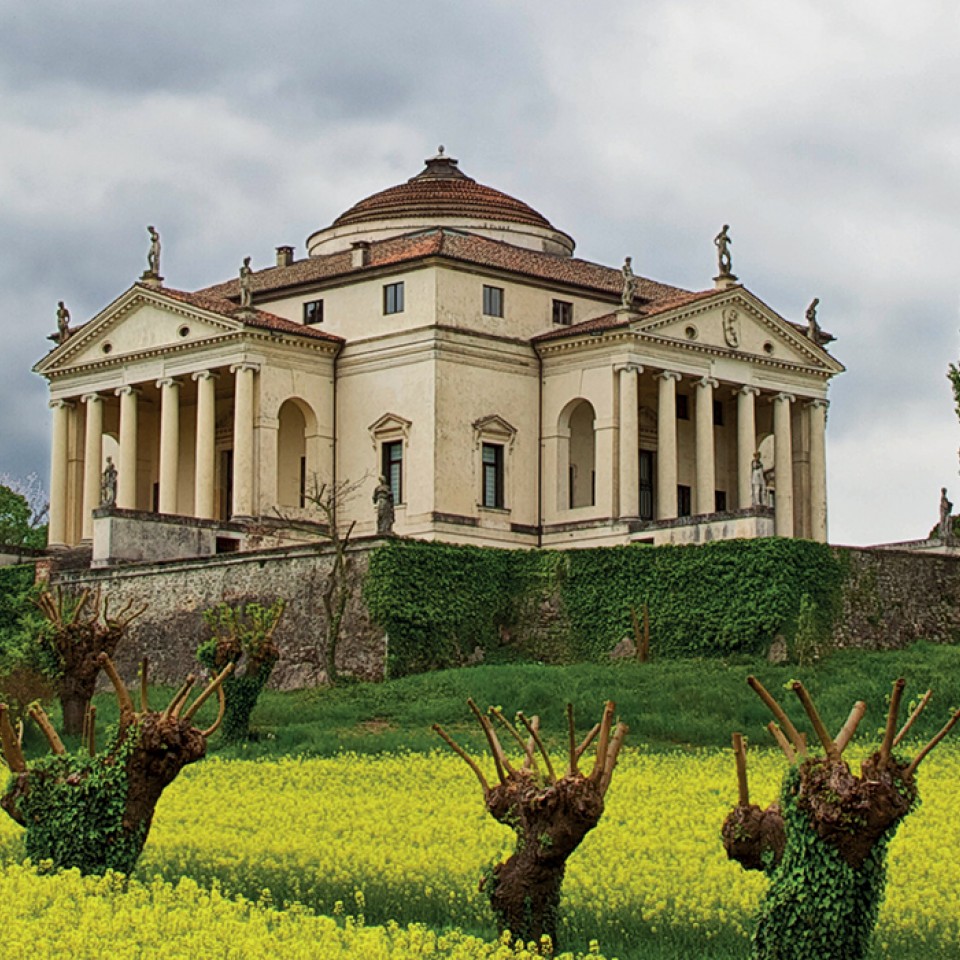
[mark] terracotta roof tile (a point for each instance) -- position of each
(454, 245)
(253, 318)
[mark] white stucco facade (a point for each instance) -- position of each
(501, 384)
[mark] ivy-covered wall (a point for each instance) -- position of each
(438, 603)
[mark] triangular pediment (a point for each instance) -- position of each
(738, 324)
(138, 323)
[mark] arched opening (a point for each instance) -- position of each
(577, 455)
(297, 423)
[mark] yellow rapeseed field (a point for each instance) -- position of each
(407, 834)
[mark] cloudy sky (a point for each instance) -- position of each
(826, 132)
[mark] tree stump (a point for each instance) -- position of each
(550, 815)
(827, 857)
(93, 811)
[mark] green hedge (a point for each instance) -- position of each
(438, 602)
(16, 586)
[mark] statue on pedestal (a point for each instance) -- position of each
(945, 527)
(108, 485)
(758, 483)
(383, 499)
(630, 284)
(153, 254)
(63, 323)
(722, 242)
(246, 291)
(813, 325)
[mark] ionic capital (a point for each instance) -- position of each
(785, 398)
(204, 375)
(244, 367)
(708, 382)
(668, 375)
(168, 382)
(628, 367)
(62, 404)
(819, 404)
(749, 391)
(89, 398)
(127, 390)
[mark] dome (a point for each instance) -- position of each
(441, 195)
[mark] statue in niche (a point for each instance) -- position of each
(63, 323)
(630, 284)
(758, 482)
(153, 254)
(731, 327)
(813, 325)
(108, 485)
(945, 527)
(722, 242)
(246, 290)
(383, 500)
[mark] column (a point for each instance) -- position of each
(706, 487)
(92, 459)
(783, 465)
(243, 440)
(205, 494)
(169, 443)
(127, 467)
(818, 469)
(746, 443)
(629, 439)
(57, 526)
(667, 445)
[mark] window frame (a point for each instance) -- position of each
(318, 308)
(563, 308)
(493, 301)
(388, 462)
(492, 475)
(393, 298)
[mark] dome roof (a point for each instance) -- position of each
(441, 195)
(442, 189)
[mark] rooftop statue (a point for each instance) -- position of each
(722, 242)
(153, 254)
(813, 326)
(630, 284)
(63, 323)
(246, 292)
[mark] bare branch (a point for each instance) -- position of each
(740, 755)
(829, 747)
(603, 743)
(924, 700)
(850, 727)
(535, 735)
(215, 684)
(587, 740)
(892, 716)
(12, 753)
(127, 712)
(463, 756)
(613, 752)
(499, 759)
(43, 722)
(515, 733)
(531, 762)
(948, 726)
(221, 709)
(778, 712)
(789, 752)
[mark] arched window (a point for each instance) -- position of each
(577, 455)
(292, 468)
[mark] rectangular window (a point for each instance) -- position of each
(492, 455)
(562, 312)
(720, 500)
(683, 406)
(393, 298)
(313, 312)
(718, 413)
(646, 484)
(684, 501)
(391, 467)
(492, 301)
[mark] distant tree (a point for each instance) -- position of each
(23, 511)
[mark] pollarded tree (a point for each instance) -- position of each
(826, 887)
(243, 636)
(93, 811)
(550, 814)
(77, 631)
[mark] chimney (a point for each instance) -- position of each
(360, 253)
(284, 256)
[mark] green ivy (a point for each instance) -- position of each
(438, 602)
(241, 635)
(817, 904)
(74, 809)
